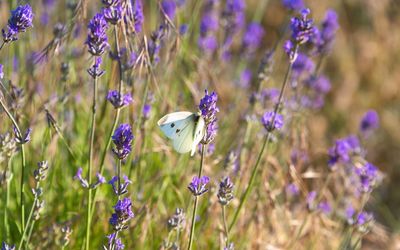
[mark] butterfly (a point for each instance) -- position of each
(184, 129)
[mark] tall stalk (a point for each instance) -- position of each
(92, 132)
(23, 162)
(196, 200)
(265, 144)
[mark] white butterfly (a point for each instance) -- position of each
(185, 129)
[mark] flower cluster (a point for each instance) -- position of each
(85, 183)
(271, 121)
(293, 5)
(122, 214)
(155, 44)
(20, 20)
(22, 139)
(209, 109)
(325, 37)
(168, 8)
(114, 242)
(122, 139)
(198, 186)
(5, 246)
(225, 192)
(177, 221)
(253, 37)
(369, 122)
(123, 187)
(208, 26)
(97, 40)
(1, 71)
(362, 220)
(95, 70)
(117, 100)
(303, 30)
(367, 177)
(343, 150)
(113, 13)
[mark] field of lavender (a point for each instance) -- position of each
(289, 140)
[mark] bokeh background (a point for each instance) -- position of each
(364, 69)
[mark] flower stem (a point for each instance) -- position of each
(92, 131)
(119, 178)
(266, 141)
(225, 226)
(22, 184)
(196, 200)
(2, 45)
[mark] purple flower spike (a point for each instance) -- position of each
(1, 71)
(253, 37)
(302, 27)
(146, 111)
(198, 185)
(326, 36)
(5, 246)
(116, 241)
(95, 70)
(209, 109)
(122, 139)
(122, 214)
(225, 192)
(113, 14)
(97, 40)
(20, 20)
(369, 122)
(123, 188)
(78, 176)
(293, 5)
(271, 121)
(311, 200)
(292, 189)
(115, 99)
(368, 177)
(22, 139)
(168, 7)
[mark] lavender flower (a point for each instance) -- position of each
(325, 207)
(349, 213)
(209, 109)
(22, 139)
(123, 188)
(369, 122)
(117, 101)
(292, 189)
(326, 36)
(5, 246)
(311, 200)
(100, 180)
(113, 14)
(302, 65)
(225, 192)
(271, 121)
(208, 26)
(168, 8)
(97, 40)
(95, 70)
(78, 176)
(290, 50)
(122, 139)
(138, 16)
(122, 214)
(177, 221)
(198, 185)
(368, 177)
(302, 27)
(1, 71)
(343, 150)
(155, 44)
(115, 241)
(245, 78)
(146, 111)
(253, 37)
(293, 5)
(20, 20)
(41, 172)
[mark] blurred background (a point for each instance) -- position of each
(363, 67)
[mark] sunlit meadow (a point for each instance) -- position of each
(290, 138)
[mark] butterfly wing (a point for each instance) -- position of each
(198, 133)
(173, 123)
(184, 140)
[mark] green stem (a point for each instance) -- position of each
(225, 226)
(7, 202)
(2, 45)
(29, 219)
(29, 234)
(92, 133)
(22, 184)
(266, 141)
(196, 200)
(119, 178)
